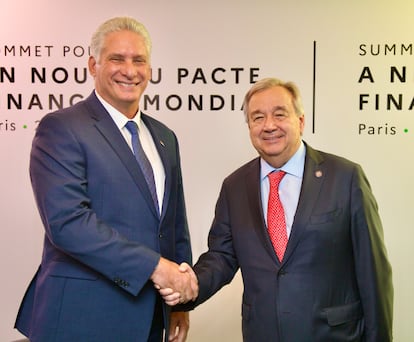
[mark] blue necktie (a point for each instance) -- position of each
(142, 160)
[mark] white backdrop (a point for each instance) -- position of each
(343, 55)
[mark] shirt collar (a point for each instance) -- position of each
(294, 166)
(119, 118)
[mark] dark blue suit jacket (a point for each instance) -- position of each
(103, 236)
(334, 283)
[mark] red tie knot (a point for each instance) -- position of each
(275, 177)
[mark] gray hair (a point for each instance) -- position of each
(267, 83)
(114, 25)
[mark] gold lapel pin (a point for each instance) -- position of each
(318, 174)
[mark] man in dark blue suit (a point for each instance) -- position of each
(109, 244)
(332, 281)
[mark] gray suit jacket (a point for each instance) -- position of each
(334, 283)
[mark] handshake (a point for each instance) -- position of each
(177, 284)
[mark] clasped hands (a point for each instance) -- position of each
(175, 283)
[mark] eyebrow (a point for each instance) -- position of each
(120, 55)
(257, 111)
(276, 108)
(117, 55)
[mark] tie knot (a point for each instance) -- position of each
(275, 177)
(132, 127)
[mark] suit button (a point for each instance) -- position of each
(282, 273)
(160, 235)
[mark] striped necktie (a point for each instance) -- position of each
(142, 160)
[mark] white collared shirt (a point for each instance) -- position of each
(147, 143)
(289, 187)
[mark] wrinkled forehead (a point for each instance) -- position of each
(273, 98)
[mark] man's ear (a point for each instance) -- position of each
(92, 65)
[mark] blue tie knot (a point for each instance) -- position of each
(132, 127)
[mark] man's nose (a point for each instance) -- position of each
(270, 123)
(128, 69)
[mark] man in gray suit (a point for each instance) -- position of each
(332, 281)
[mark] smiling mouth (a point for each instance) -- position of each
(128, 85)
(272, 138)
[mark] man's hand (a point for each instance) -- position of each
(179, 326)
(176, 284)
(172, 297)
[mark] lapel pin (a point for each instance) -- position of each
(318, 174)
(162, 143)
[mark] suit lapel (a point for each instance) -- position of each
(313, 177)
(106, 126)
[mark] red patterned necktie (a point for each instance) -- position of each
(276, 223)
